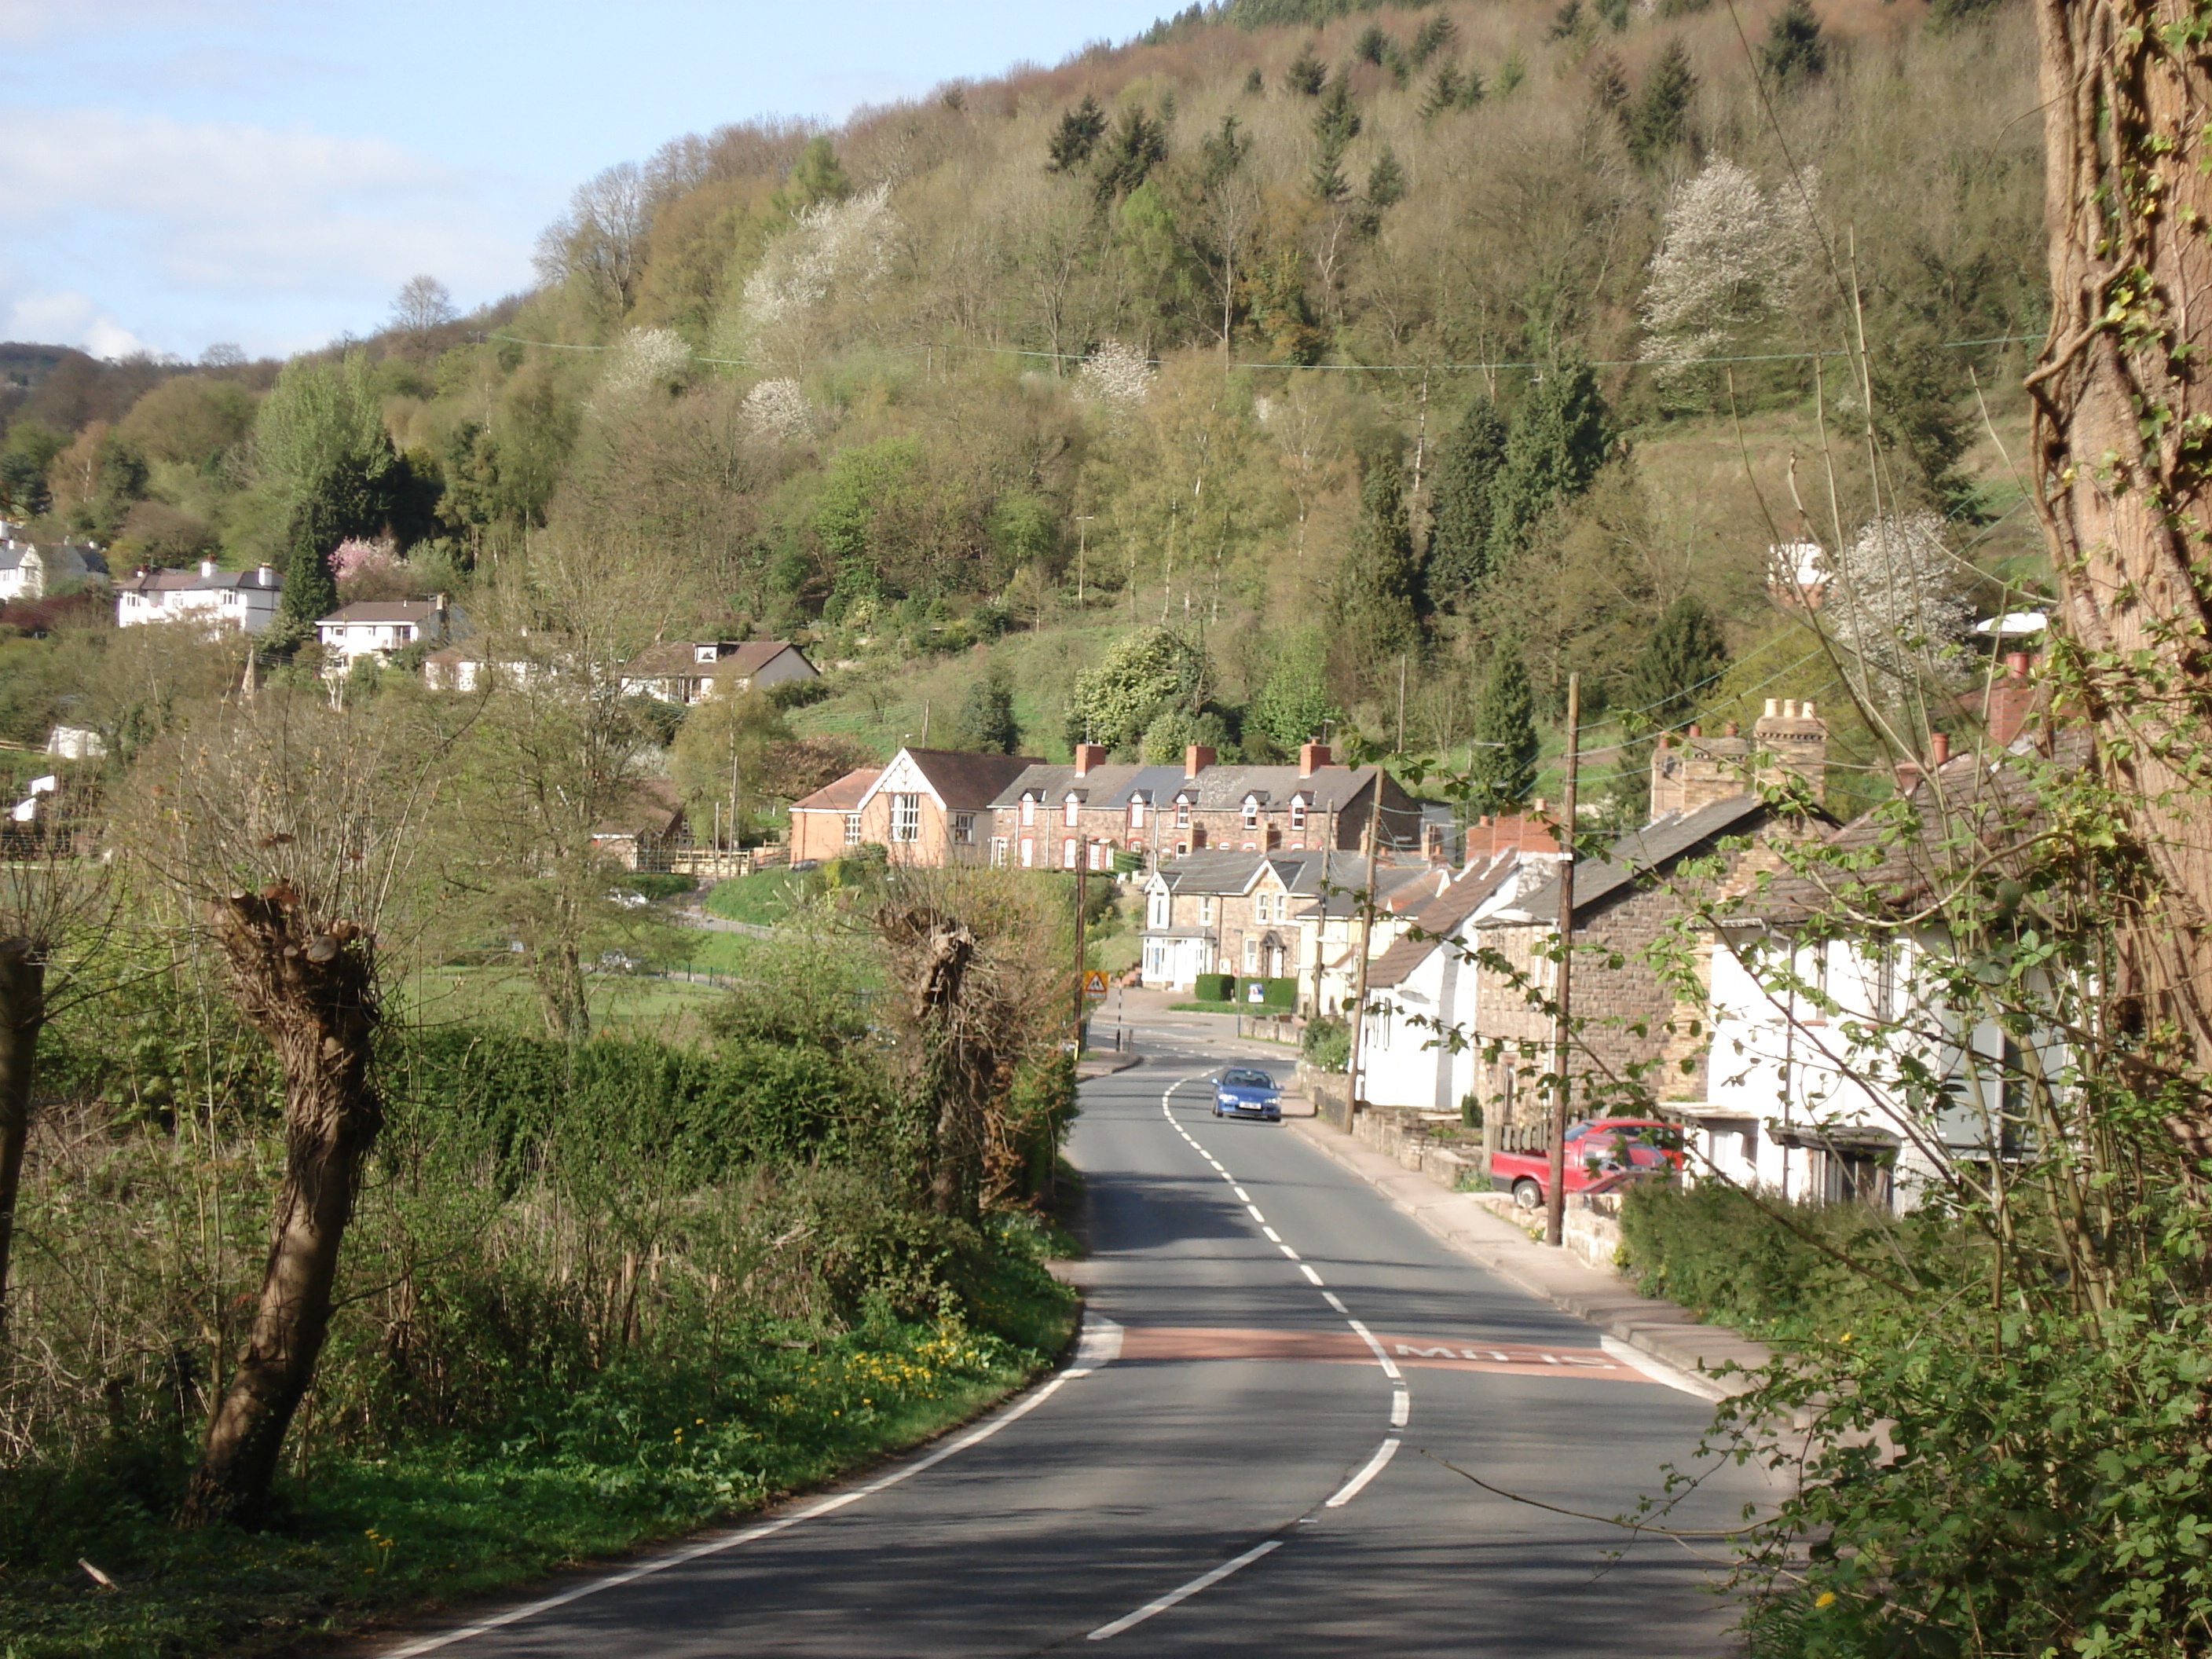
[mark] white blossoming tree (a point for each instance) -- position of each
(836, 253)
(645, 360)
(1895, 600)
(779, 408)
(1115, 380)
(1732, 256)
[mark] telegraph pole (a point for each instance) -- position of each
(1082, 863)
(1555, 1194)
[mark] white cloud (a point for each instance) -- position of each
(66, 318)
(227, 208)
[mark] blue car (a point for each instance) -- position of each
(1244, 1091)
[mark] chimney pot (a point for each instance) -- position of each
(1807, 707)
(1729, 730)
(1938, 747)
(207, 568)
(2016, 666)
(1774, 707)
(1696, 731)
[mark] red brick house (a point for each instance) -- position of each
(933, 806)
(826, 825)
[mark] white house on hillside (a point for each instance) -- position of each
(377, 628)
(216, 599)
(686, 671)
(30, 572)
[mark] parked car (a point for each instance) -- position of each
(629, 898)
(1597, 1153)
(1247, 1091)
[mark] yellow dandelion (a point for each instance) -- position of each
(1824, 1598)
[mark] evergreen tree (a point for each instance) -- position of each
(1467, 473)
(1373, 46)
(1608, 83)
(1379, 597)
(1293, 707)
(1795, 51)
(1560, 439)
(1254, 82)
(1676, 669)
(1336, 124)
(1446, 88)
(1566, 22)
(816, 176)
(986, 724)
(1136, 146)
(1470, 90)
(1077, 136)
(1306, 74)
(1439, 35)
(1503, 768)
(1386, 181)
(1661, 120)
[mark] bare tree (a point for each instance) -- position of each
(602, 237)
(422, 303)
(57, 906)
(290, 827)
(2121, 410)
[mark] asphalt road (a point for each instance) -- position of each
(1239, 1466)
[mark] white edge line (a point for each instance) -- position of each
(1375, 1465)
(1204, 1581)
(712, 1547)
(1401, 1407)
(1659, 1370)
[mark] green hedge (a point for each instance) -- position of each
(1215, 987)
(1278, 993)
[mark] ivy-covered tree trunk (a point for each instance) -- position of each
(22, 1016)
(2123, 435)
(313, 995)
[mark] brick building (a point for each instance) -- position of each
(1049, 816)
(826, 825)
(933, 806)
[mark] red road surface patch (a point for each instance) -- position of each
(1344, 1347)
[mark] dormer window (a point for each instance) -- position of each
(1029, 810)
(1251, 813)
(702, 653)
(1136, 815)
(1182, 812)
(1297, 811)
(1070, 808)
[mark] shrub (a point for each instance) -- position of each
(1278, 993)
(1215, 987)
(1327, 1044)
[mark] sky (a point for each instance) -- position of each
(176, 175)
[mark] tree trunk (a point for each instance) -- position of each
(312, 994)
(2122, 435)
(22, 1014)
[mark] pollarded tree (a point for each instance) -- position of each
(1678, 665)
(1501, 769)
(1467, 472)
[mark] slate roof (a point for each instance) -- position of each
(1330, 789)
(1992, 798)
(652, 808)
(1435, 921)
(841, 796)
(965, 782)
(1658, 843)
(186, 581)
(1396, 885)
(1109, 785)
(381, 611)
(677, 660)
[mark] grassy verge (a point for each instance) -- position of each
(637, 1452)
(763, 898)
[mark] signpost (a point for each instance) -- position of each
(1094, 985)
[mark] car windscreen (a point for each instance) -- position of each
(1247, 1079)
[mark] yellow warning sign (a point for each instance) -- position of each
(1094, 984)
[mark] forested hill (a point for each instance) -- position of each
(1430, 335)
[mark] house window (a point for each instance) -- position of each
(1028, 853)
(1071, 808)
(1029, 810)
(1251, 815)
(1182, 815)
(1205, 913)
(1136, 815)
(1067, 853)
(1297, 812)
(998, 852)
(1098, 854)
(906, 817)
(1159, 911)
(852, 829)
(1251, 954)
(964, 828)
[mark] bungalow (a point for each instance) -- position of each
(377, 628)
(217, 599)
(686, 671)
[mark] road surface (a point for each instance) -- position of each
(1240, 1458)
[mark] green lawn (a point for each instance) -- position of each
(763, 898)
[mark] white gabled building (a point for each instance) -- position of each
(28, 571)
(379, 628)
(218, 600)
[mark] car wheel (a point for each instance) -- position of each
(1527, 1194)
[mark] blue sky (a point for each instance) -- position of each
(178, 172)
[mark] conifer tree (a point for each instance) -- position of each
(1336, 124)
(1439, 35)
(1661, 120)
(1503, 768)
(1379, 596)
(1446, 88)
(1467, 473)
(1608, 83)
(1676, 669)
(1386, 181)
(987, 723)
(1795, 51)
(1373, 46)
(1137, 145)
(1559, 438)
(1077, 136)
(1306, 74)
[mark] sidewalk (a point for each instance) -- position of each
(1463, 1224)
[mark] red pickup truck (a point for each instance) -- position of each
(1596, 1152)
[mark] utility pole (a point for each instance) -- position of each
(1082, 543)
(1555, 1206)
(1082, 863)
(1355, 1072)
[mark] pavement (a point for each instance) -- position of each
(1251, 1449)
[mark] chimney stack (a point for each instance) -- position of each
(265, 574)
(1704, 770)
(2010, 701)
(1311, 757)
(1795, 738)
(1088, 755)
(1195, 759)
(207, 568)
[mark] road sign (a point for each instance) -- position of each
(1094, 985)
